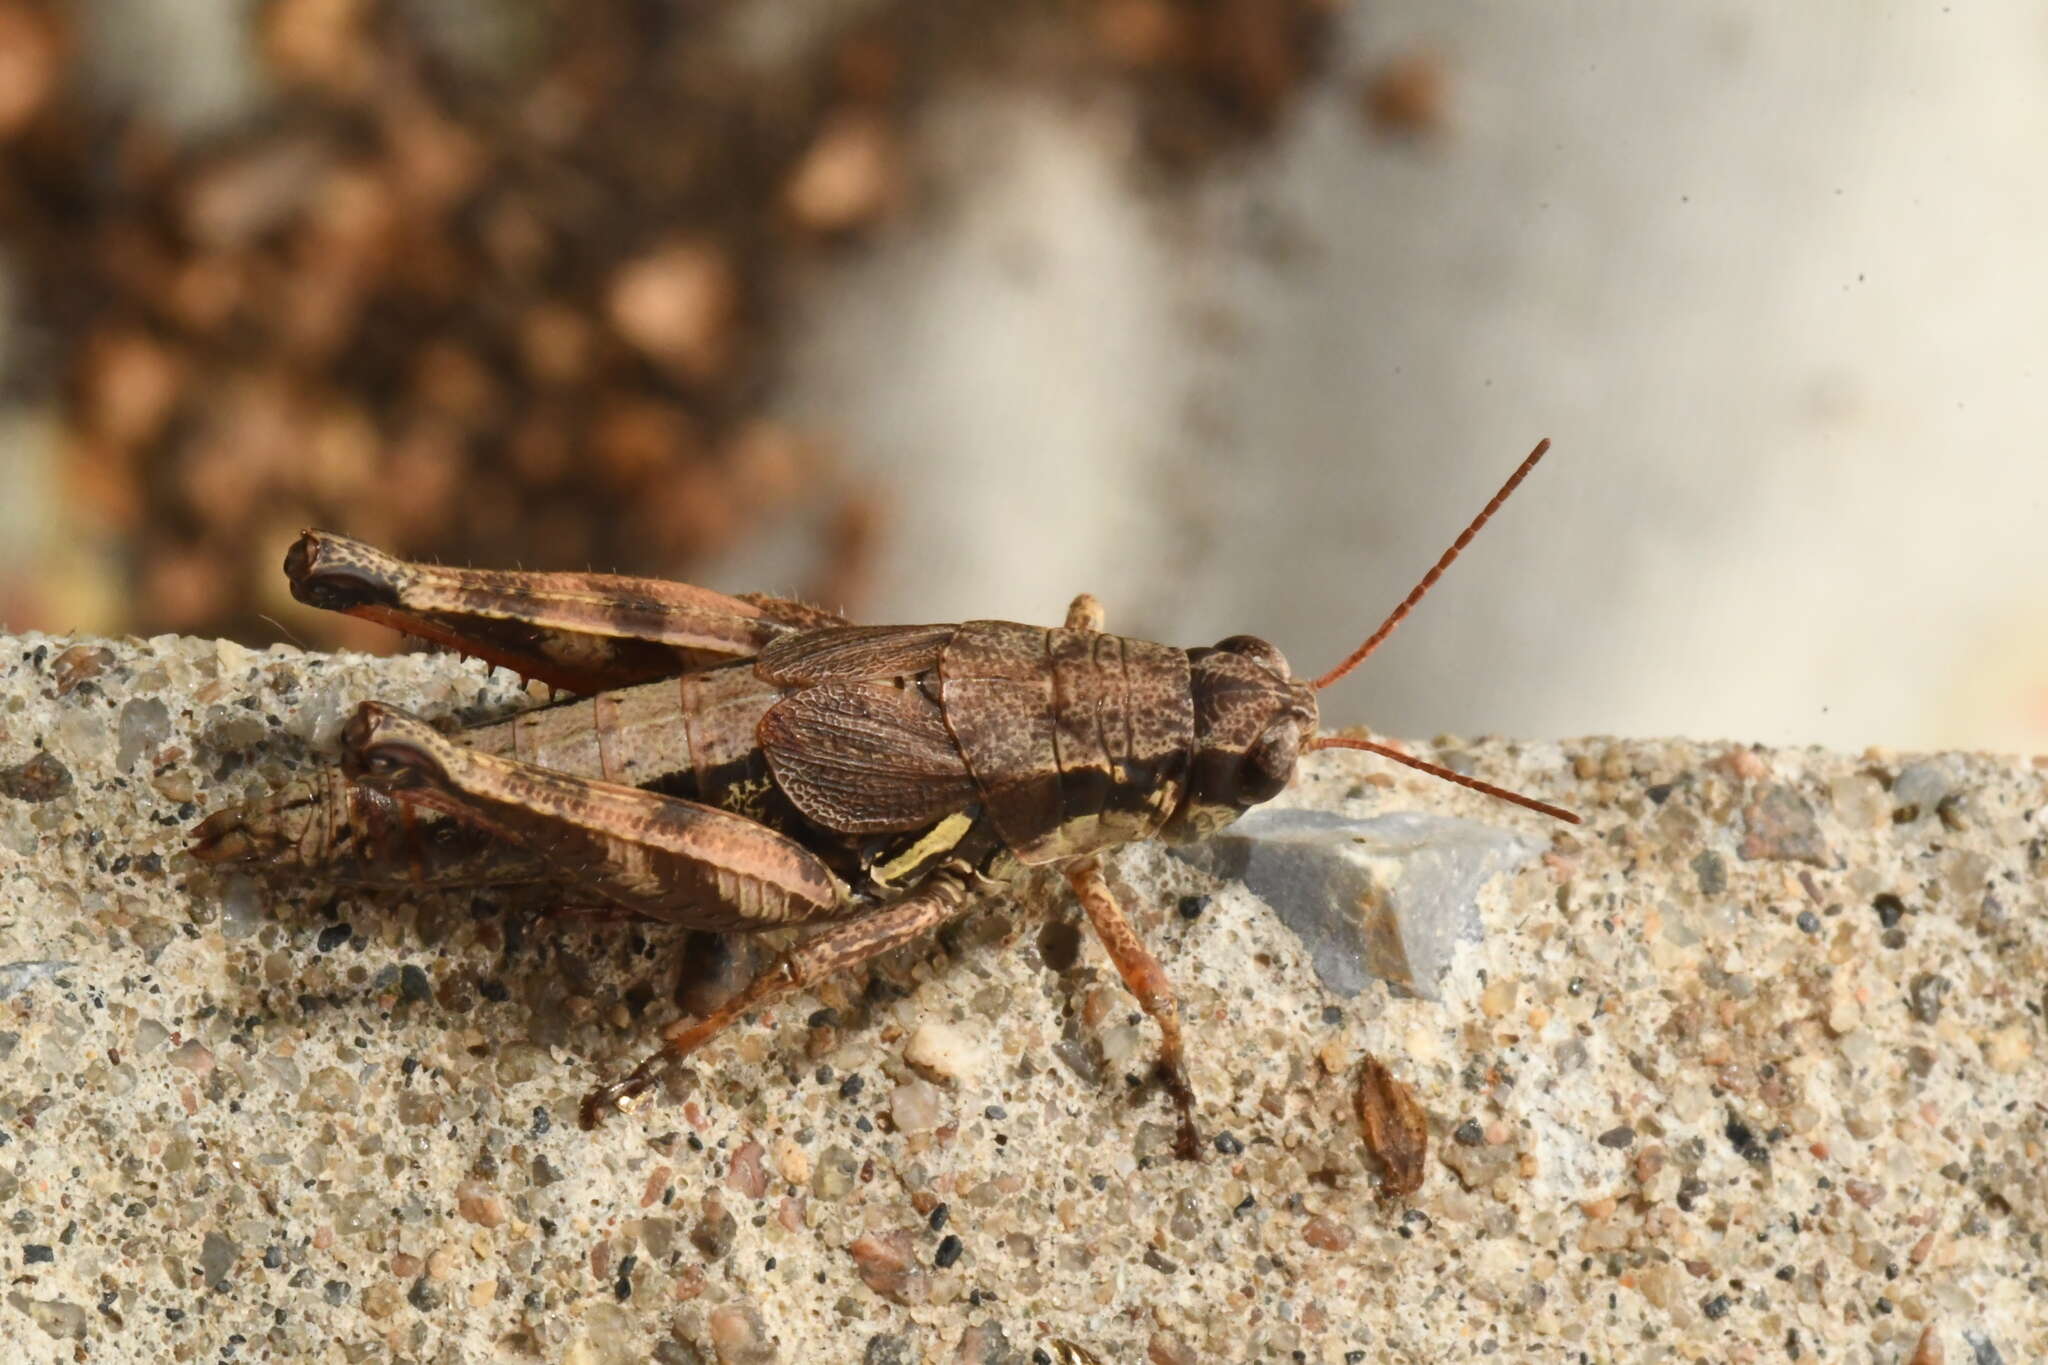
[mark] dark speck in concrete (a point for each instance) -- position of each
(39, 779)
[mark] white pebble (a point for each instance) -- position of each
(917, 1107)
(943, 1052)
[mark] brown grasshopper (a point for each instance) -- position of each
(747, 763)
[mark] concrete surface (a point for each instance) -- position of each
(1747, 1068)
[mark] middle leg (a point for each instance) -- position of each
(844, 945)
(1147, 980)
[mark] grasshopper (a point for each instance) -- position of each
(748, 763)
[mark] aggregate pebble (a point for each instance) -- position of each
(35, 779)
(943, 1052)
(1660, 1121)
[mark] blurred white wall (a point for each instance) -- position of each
(1775, 279)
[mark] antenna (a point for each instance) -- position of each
(1384, 751)
(1373, 641)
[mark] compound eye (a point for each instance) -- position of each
(1269, 763)
(1257, 650)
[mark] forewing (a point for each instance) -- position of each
(790, 612)
(853, 653)
(866, 757)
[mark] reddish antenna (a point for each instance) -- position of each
(1384, 751)
(1373, 641)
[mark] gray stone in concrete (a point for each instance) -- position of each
(1385, 898)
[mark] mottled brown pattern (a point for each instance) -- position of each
(658, 855)
(719, 711)
(355, 835)
(983, 747)
(853, 653)
(1079, 740)
(584, 632)
(866, 757)
(635, 736)
(1090, 721)
(997, 691)
(790, 612)
(1158, 712)
(1240, 699)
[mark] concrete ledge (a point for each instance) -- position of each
(1748, 1068)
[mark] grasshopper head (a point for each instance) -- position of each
(1253, 720)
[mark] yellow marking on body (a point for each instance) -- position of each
(748, 796)
(940, 838)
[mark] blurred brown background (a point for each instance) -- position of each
(498, 283)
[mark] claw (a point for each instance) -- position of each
(618, 1097)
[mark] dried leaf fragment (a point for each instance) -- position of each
(1396, 1130)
